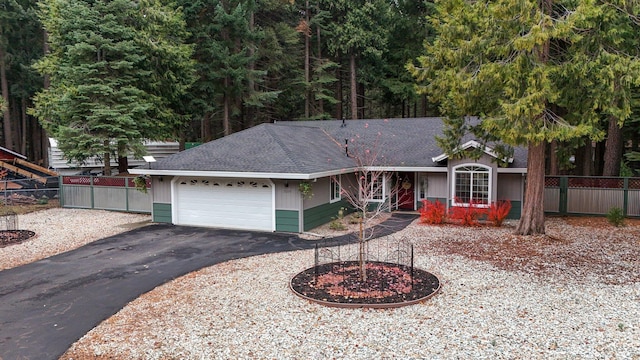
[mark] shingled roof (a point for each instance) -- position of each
(313, 147)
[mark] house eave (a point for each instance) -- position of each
(225, 174)
(408, 168)
(269, 175)
(13, 153)
(512, 170)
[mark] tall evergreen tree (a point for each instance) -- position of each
(603, 71)
(116, 68)
(359, 29)
(511, 62)
(225, 39)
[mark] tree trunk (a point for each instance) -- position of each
(225, 110)
(4, 85)
(41, 138)
(23, 126)
(361, 102)
(205, 132)
(107, 160)
(307, 79)
(353, 88)
(249, 113)
(340, 104)
(613, 149)
(532, 218)
(587, 162)
(362, 256)
(553, 157)
(424, 105)
(123, 161)
(123, 164)
(319, 57)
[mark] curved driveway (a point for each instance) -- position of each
(47, 305)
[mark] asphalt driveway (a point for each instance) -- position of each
(47, 305)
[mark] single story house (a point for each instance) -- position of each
(250, 179)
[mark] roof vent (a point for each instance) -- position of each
(344, 123)
(346, 147)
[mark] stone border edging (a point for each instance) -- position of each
(363, 305)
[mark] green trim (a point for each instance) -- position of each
(322, 214)
(563, 198)
(162, 213)
(432, 199)
(516, 210)
(287, 220)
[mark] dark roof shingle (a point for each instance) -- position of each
(307, 147)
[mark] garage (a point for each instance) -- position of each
(245, 204)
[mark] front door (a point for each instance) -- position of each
(406, 194)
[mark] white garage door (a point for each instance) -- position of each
(230, 203)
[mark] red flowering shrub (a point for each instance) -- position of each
(498, 211)
(432, 213)
(466, 215)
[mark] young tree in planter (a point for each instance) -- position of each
(371, 191)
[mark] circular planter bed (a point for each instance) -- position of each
(10, 237)
(388, 285)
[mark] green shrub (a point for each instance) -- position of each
(336, 224)
(615, 216)
(355, 218)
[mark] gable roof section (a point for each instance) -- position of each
(309, 149)
(473, 144)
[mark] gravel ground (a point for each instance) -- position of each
(59, 230)
(573, 294)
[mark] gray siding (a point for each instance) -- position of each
(510, 187)
(437, 185)
(320, 193)
(161, 189)
(287, 195)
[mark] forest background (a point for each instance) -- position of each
(194, 71)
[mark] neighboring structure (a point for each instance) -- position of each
(57, 161)
(17, 173)
(249, 180)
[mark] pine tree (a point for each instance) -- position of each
(511, 62)
(116, 68)
(358, 29)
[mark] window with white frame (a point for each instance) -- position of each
(372, 186)
(335, 190)
(471, 185)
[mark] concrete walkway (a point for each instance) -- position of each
(47, 305)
